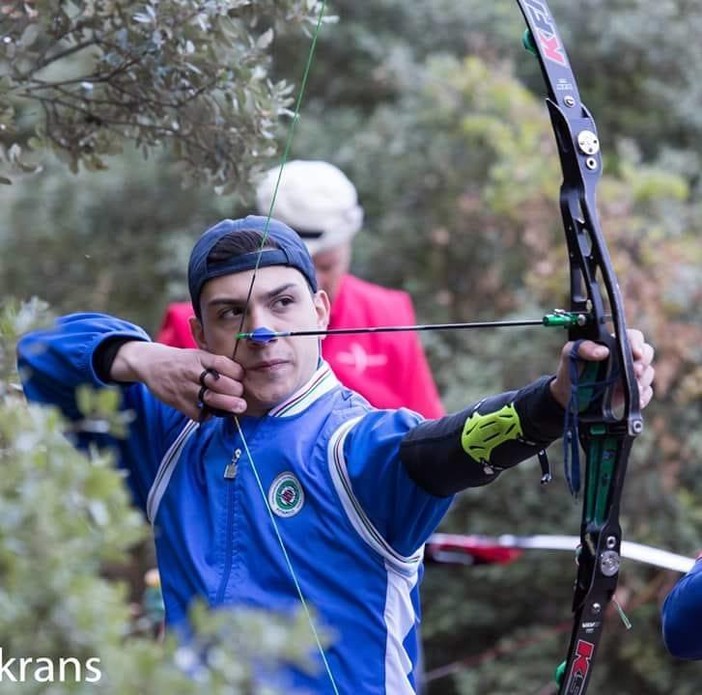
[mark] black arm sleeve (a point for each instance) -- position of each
(472, 447)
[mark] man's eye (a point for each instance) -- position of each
(230, 312)
(282, 302)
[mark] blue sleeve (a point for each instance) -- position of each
(682, 616)
(54, 362)
(402, 512)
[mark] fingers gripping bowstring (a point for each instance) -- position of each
(247, 450)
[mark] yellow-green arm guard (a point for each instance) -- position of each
(483, 433)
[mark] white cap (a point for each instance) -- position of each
(316, 199)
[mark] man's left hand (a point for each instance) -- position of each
(590, 351)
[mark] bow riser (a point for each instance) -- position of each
(590, 262)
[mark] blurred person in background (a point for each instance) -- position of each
(320, 203)
(682, 615)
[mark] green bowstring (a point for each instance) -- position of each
(254, 468)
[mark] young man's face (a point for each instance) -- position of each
(282, 301)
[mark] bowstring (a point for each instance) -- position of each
(249, 456)
(283, 162)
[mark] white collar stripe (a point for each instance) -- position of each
(322, 381)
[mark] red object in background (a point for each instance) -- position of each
(446, 548)
(389, 370)
(175, 327)
(457, 549)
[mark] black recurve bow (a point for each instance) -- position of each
(605, 433)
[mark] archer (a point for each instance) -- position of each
(350, 493)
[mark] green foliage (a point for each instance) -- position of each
(370, 57)
(647, 54)
(85, 77)
(114, 242)
(16, 318)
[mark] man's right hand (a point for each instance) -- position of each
(174, 376)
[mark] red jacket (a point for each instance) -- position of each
(389, 369)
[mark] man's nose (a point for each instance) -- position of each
(256, 326)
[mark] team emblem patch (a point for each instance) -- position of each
(285, 495)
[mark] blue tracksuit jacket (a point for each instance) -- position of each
(352, 520)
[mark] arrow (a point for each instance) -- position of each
(559, 318)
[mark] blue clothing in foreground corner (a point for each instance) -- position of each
(352, 520)
(682, 616)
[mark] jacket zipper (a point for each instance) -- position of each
(230, 472)
(233, 466)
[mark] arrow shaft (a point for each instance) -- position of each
(399, 329)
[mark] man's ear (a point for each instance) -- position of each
(322, 306)
(198, 332)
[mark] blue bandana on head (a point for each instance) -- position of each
(292, 253)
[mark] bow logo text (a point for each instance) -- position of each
(580, 667)
(546, 32)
